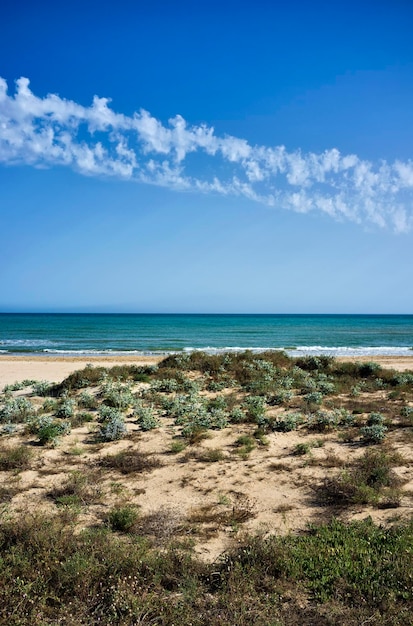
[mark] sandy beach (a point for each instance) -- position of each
(55, 369)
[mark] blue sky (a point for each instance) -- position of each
(250, 157)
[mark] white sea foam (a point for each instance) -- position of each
(294, 352)
(351, 351)
(27, 343)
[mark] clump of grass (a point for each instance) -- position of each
(79, 489)
(177, 446)
(122, 518)
(15, 458)
(366, 483)
(211, 455)
(245, 444)
(161, 525)
(130, 461)
(83, 417)
(301, 449)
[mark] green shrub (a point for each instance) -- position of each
(255, 407)
(287, 422)
(280, 397)
(48, 430)
(122, 518)
(314, 397)
(237, 415)
(364, 483)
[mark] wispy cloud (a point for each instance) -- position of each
(96, 140)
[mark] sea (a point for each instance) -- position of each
(70, 334)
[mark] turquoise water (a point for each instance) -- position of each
(83, 334)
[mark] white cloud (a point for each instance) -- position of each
(97, 141)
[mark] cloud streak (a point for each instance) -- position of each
(97, 141)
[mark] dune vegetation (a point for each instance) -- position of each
(229, 489)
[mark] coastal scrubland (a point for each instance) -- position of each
(228, 489)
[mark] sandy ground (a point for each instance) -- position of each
(269, 490)
(55, 369)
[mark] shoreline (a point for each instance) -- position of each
(56, 368)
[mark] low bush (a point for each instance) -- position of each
(112, 429)
(48, 430)
(146, 418)
(41, 388)
(373, 434)
(122, 518)
(364, 484)
(16, 410)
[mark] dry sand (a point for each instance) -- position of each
(55, 369)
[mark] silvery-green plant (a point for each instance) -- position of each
(314, 397)
(48, 430)
(373, 434)
(117, 395)
(344, 417)
(407, 411)
(165, 385)
(287, 422)
(404, 379)
(112, 429)
(41, 387)
(237, 415)
(218, 418)
(323, 420)
(146, 418)
(280, 396)
(255, 406)
(16, 410)
(86, 400)
(375, 419)
(66, 408)
(8, 429)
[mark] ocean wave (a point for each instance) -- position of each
(27, 343)
(86, 352)
(296, 351)
(351, 351)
